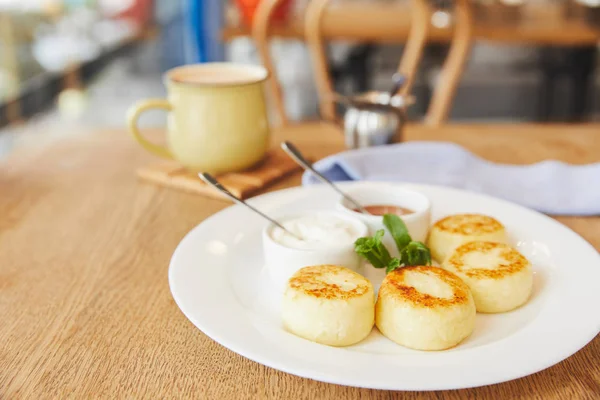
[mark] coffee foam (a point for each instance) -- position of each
(221, 74)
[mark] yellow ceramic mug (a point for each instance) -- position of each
(217, 117)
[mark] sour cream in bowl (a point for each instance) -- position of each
(318, 238)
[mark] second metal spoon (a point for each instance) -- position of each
(212, 181)
(398, 81)
(293, 152)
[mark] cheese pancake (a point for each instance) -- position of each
(329, 304)
(454, 230)
(424, 308)
(499, 277)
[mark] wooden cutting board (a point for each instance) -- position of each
(243, 184)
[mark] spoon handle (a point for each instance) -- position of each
(212, 181)
(299, 158)
(398, 80)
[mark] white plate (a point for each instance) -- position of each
(217, 279)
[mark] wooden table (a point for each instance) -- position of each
(390, 23)
(84, 298)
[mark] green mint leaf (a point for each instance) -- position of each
(382, 252)
(362, 240)
(374, 261)
(426, 253)
(378, 235)
(415, 253)
(423, 251)
(373, 249)
(363, 245)
(398, 230)
(367, 248)
(392, 265)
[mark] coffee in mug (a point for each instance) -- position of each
(217, 117)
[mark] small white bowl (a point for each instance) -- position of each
(372, 193)
(282, 261)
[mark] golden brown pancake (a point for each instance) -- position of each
(499, 277)
(329, 304)
(424, 308)
(326, 282)
(454, 230)
(395, 285)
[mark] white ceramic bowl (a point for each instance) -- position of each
(373, 193)
(282, 261)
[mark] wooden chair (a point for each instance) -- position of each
(11, 64)
(421, 16)
(452, 70)
(260, 34)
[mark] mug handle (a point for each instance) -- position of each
(134, 114)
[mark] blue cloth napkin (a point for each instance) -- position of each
(551, 187)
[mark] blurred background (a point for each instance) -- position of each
(67, 66)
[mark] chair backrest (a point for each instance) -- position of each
(411, 56)
(9, 62)
(260, 34)
(451, 73)
(454, 66)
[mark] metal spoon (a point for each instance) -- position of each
(398, 80)
(212, 181)
(293, 152)
(365, 104)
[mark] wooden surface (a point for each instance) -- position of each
(243, 184)
(84, 297)
(351, 20)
